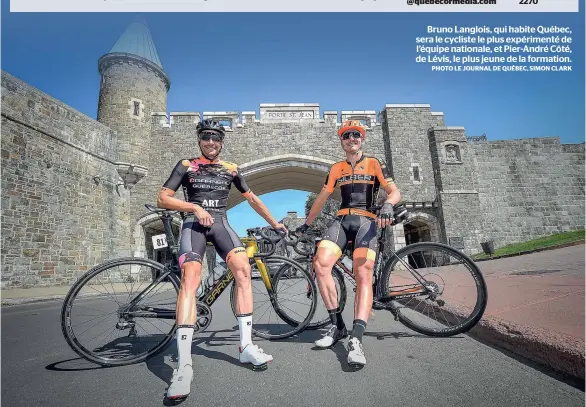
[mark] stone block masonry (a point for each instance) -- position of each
(408, 152)
(61, 210)
(174, 139)
(529, 188)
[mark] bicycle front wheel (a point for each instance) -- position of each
(435, 289)
(272, 304)
(321, 317)
(121, 301)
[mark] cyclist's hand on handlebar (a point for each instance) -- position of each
(279, 227)
(302, 229)
(386, 216)
(205, 219)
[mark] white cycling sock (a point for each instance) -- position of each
(184, 339)
(245, 328)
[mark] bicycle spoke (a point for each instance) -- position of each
(121, 334)
(445, 303)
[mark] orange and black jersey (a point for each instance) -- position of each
(359, 185)
(207, 183)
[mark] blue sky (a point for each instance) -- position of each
(344, 61)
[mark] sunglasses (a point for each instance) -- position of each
(353, 134)
(211, 136)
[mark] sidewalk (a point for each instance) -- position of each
(535, 306)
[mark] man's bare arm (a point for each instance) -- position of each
(318, 204)
(394, 195)
(167, 200)
(260, 208)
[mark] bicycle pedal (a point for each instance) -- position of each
(260, 368)
(177, 399)
(356, 366)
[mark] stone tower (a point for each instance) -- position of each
(134, 84)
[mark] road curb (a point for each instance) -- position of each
(20, 301)
(543, 249)
(558, 352)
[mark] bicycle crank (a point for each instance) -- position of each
(204, 318)
(131, 325)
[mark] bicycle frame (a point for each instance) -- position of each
(380, 296)
(376, 269)
(210, 293)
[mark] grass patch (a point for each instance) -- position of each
(539, 243)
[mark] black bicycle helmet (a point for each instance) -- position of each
(212, 125)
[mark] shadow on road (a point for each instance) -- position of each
(74, 365)
(397, 335)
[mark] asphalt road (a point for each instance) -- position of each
(404, 369)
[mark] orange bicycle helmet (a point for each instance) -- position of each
(354, 125)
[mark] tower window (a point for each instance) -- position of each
(135, 109)
(416, 173)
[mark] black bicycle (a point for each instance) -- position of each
(411, 283)
(128, 322)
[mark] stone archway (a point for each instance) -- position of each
(145, 228)
(421, 227)
(289, 171)
(418, 227)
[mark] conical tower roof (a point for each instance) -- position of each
(137, 40)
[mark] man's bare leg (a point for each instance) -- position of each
(327, 255)
(186, 316)
(238, 262)
(363, 267)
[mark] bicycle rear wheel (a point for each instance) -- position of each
(275, 303)
(414, 283)
(120, 281)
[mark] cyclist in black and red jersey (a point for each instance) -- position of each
(359, 178)
(207, 181)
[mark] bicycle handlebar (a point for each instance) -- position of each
(302, 238)
(274, 240)
(263, 232)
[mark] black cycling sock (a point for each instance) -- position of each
(332, 314)
(336, 318)
(358, 329)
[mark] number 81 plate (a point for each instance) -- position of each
(160, 241)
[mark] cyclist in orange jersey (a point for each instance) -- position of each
(359, 178)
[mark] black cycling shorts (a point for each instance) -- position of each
(194, 238)
(361, 230)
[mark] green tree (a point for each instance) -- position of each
(321, 222)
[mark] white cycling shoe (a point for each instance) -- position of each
(255, 355)
(180, 383)
(356, 356)
(331, 337)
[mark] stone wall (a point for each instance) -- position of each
(249, 139)
(529, 188)
(408, 154)
(61, 210)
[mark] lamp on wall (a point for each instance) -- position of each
(130, 174)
